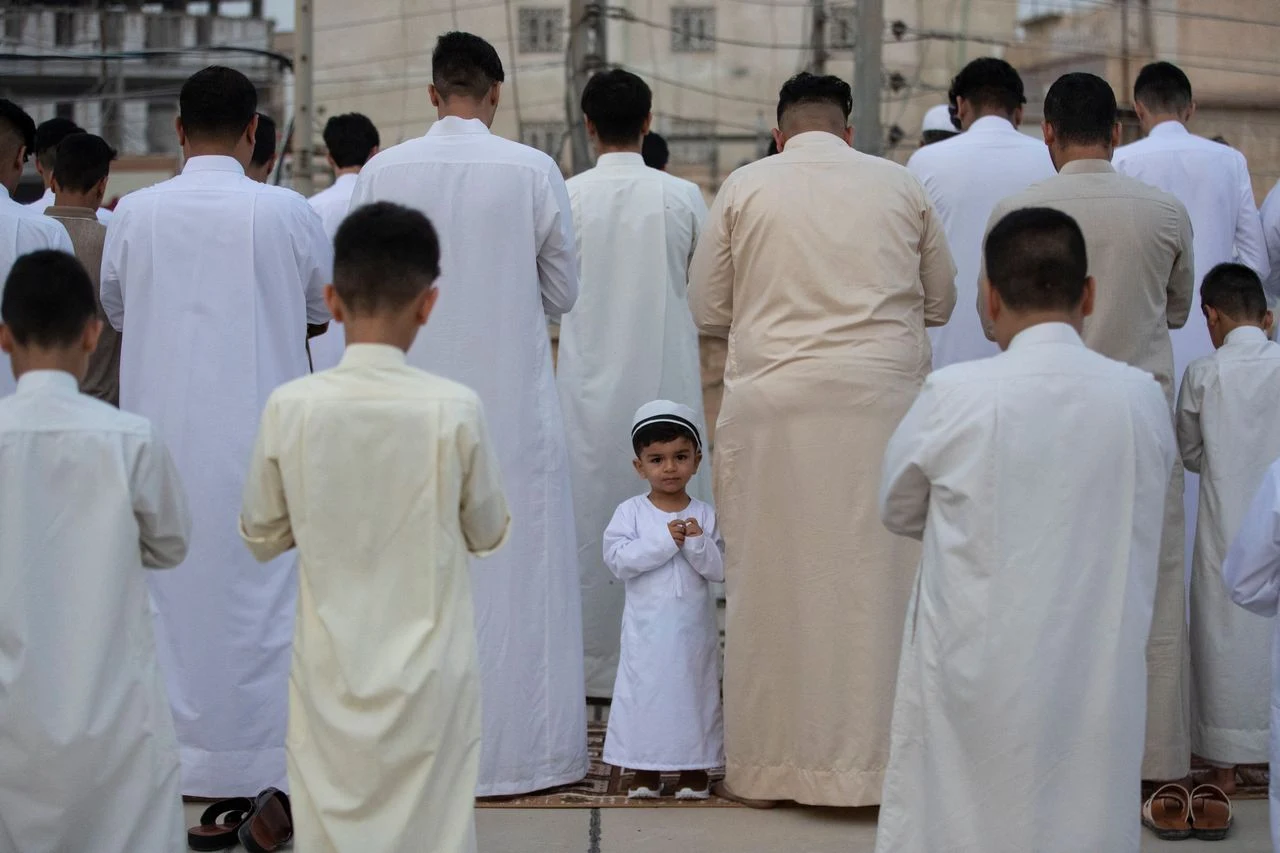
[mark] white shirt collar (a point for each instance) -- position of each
(454, 126)
(1246, 335)
(50, 381)
(1169, 128)
(614, 159)
(1046, 333)
(372, 355)
(213, 163)
(992, 124)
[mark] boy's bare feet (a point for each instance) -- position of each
(1223, 778)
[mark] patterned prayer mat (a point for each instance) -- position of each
(604, 788)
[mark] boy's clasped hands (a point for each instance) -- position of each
(682, 529)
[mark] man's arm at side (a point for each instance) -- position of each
(937, 270)
(1190, 439)
(1251, 247)
(110, 287)
(160, 507)
(1252, 567)
(1182, 278)
(264, 514)
(486, 521)
(984, 316)
(557, 249)
(904, 484)
(711, 270)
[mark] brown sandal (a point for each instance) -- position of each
(219, 825)
(724, 792)
(269, 826)
(1210, 813)
(1168, 813)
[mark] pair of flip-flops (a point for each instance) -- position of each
(263, 824)
(1173, 813)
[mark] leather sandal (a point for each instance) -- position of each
(724, 792)
(269, 825)
(1211, 813)
(219, 825)
(1168, 813)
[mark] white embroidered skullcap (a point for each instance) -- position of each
(666, 412)
(938, 118)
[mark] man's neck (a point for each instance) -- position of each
(209, 149)
(79, 200)
(636, 147)
(1073, 153)
(466, 109)
(1019, 323)
(1158, 119)
(995, 112)
(349, 170)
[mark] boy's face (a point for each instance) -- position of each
(669, 465)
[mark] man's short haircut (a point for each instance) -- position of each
(806, 88)
(1236, 291)
(49, 136)
(1162, 87)
(350, 138)
(660, 433)
(17, 129)
(1036, 260)
(83, 160)
(989, 83)
(1081, 109)
(48, 299)
(217, 103)
(465, 65)
(385, 255)
(618, 103)
(655, 152)
(264, 141)
(932, 136)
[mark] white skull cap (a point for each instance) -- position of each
(667, 412)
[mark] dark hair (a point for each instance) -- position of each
(1234, 290)
(617, 102)
(384, 255)
(350, 138)
(16, 127)
(660, 433)
(48, 299)
(264, 141)
(82, 160)
(806, 88)
(1036, 260)
(49, 136)
(1162, 87)
(655, 151)
(1081, 109)
(929, 137)
(989, 83)
(217, 103)
(466, 65)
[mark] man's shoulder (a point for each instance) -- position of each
(482, 148)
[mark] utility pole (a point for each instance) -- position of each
(867, 136)
(303, 94)
(818, 38)
(588, 52)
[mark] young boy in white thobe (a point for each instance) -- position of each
(1228, 410)
(665, 546)
(88, 498)
(1021, 698)
(383, 477)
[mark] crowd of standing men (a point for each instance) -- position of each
(215, 284)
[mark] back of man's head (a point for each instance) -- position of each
(1236, 291)
(17, 130)
(49, 136)
(48, 300)
(217, 105)
(989, 84)
(1162, 88)
(655, 152)
(384, 256)
(1081, 109)
(617, 103)
(1036, 260)
(351, 139)
(83, 161)
(465, 65)
(812, 102)
(264, 141)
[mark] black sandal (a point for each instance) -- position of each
(220, 825)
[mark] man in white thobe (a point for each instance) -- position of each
(1271, 236)
(48, 137)
(629, 340)
(214, 279)
(88, 499)
(1021, 700)
(508, 262)
(967, 176)
(22, 228)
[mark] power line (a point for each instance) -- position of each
(286, 62)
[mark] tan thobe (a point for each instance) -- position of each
(822, 266)
(1139, 244)
(102, 380)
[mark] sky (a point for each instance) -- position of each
(282, 11)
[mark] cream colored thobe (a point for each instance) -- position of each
(965, 176)
(629, 340)
(88, 498)
(1140, 252)
(212, 278)
(24, 230)
(332, 203)
(1228, 412)
(384, 693)
(1020, 703)
(508, 260)
(822, 266)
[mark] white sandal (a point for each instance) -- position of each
(690, 794)
(644, 793)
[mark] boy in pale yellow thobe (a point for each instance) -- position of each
(383, 477)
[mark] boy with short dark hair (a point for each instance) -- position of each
(666, 548)
(1228, 410)
(383, 477)
(88, 498)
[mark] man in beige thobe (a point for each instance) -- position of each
(822, 266)
(1140, 251)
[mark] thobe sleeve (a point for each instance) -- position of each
(711, 271)
(629, 551)
(1190, 439)
(62, 240)
(937, 269)
(111, 288)
(705, 553)
(316, 255)
(557, 248)
(904, 483)
(1182, 278)
(1271, 234)
(1252, 567)
(264, 514)
(486, 522)
(984, 315)
(160, 507)
(698, 208)
(1251, 247)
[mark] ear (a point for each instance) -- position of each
(181, 131)
(1115, 135)
(434, 94)
(639, 466)
(778, 139)
(55, 186)
(101, 187)
(591, 128)
(271, 167)
(6, 340)
(1090, 292)
(21, 157)
(495, 94)
(1050, 138)
(89, 337)
(251, 132)
(848, 135)
(992, 297)
(1267, 322)
(328, 158)
(333, 302)
(426, 304)
(1017, 116)
(648, 122)
(1191, 111)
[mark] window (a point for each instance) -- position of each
(204, 30)
(541, 30)
(841, 26)
(64, 29)
(691, 141)
(13, 20)
(693, 29)
(546, 136)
